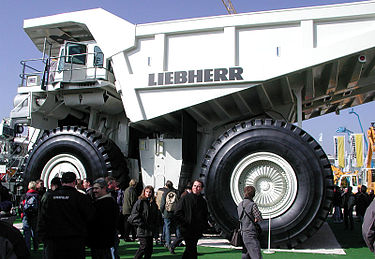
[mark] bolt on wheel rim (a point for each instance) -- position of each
(273, 178)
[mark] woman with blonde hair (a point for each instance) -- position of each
(145, 216)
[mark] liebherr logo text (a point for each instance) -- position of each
(196, 76)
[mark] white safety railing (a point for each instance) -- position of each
(269, 251)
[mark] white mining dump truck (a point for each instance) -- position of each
(215, 98)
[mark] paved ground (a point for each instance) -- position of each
(323, 242)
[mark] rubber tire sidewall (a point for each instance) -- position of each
(278, 140)
(70, 142)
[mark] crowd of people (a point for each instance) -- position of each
(73, 215)
(345, 201)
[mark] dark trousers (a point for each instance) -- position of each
(62, 248)
(191, 248)
(177, 242)
(348, 217)
(145, 248)
(121, 225)
(104, 253)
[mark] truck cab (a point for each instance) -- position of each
(77, 62)
(347, 180)
(67, 85)
(80, 62)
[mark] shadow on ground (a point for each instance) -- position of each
(346, 237)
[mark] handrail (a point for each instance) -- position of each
(40, 66)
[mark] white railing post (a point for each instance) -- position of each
(269, 251)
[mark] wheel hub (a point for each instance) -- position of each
(60, 164)
(264, 185)
(273, 178)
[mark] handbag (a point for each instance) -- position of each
(236, 239)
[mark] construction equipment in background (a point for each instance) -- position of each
(370, 150)
(345, 179)
(360, 124)
(348, 175)
(229, 6)
(14, 145)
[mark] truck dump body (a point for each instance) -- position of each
(312, 51)
(211, 98)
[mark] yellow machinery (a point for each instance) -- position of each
(370, 150)
(345, 179)
(365, 176)
(229, 6)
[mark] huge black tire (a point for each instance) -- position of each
(87, 153)
(288, 168)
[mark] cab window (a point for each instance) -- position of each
(61, 62)
(98, 57)
(73, 51)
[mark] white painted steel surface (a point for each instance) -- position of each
(265, 44)
(160, 164)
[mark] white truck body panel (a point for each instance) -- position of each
(265, 45)
(161, 161)
(98, 20)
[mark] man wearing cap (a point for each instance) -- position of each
(64, 219)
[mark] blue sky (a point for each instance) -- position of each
(16, 46)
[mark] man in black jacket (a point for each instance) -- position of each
(64, 218)
(192, 215)
(104, 222)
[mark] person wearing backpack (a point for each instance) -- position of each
(167, 208)
(30, 215)
(158, 198)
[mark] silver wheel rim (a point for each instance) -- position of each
(60, 164)
(273, 178)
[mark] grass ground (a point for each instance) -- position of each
(350, 241)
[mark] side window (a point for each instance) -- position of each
(98, 57)
(73, 51)
(61, 62)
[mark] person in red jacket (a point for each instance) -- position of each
(29, 215)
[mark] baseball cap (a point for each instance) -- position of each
(68, 177)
